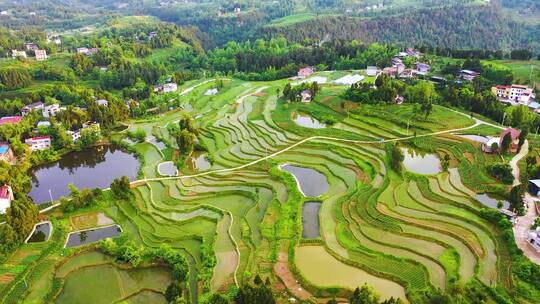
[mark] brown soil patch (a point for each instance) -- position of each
(360, 175)
(469, 156)
(281, 269)
(259, 94)
(6, 278)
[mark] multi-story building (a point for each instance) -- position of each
(40, 55)
(38, 143)
(50, 110)
(515, 93)
(36, 106)
(6, 196)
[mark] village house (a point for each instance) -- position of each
(396, 61)
(468, 75)
(38, 143)
(6, 154)
(6, 196)
(306, 95)
(534, 239)
(75, 135)
(40, 55)
(534, 187)
(422, 68)
(87, 51)
(152, 35)
(399, 99)
(166, 88)
(53, 38)
(43, 124)
(16, 53)
(36, 106)
(10, 119)
(520, 94)
(306, 72)
(50, 110)
(102, 102)
(407, 73)
(31, 46)
(488, 146)
(409, 52)
(371, 71)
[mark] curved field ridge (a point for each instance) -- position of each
(401, 233)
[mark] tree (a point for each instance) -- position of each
(121, 187)
(395, 157)
(90, 135)
(248, 294)
(515, 198)
(506, 141)
(21, 217)
(364, 295)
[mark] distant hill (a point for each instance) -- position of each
(477, 27)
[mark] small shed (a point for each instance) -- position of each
(534, 187)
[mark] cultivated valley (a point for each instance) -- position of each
(146, 161)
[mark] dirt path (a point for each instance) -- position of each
(514, 162)
(281, 269)
(521, 230)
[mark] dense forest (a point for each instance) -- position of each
(454, 27)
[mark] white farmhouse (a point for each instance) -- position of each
(38, 143)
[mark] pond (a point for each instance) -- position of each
(91, 236)
(90, 168)
(491, 201)
(311, 182)
(307, 121)
(41, 233)
(167, 168)
(310, 220)
(159, 144)
(198, 162)
(476, 138)
(421, 163)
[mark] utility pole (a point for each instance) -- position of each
(50, 195)
(504, 116)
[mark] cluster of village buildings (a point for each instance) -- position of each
(40, 55)
(35, 143)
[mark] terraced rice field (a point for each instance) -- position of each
(91, 278)
(401, 233)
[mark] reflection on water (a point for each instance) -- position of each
(310, 220)
(311, 182)
(198, 162)
(91, 236)
(307, 121)
(491, 201)
(90, 168)
(421, 163)
(41, 233)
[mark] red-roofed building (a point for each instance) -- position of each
(10, 119)
(38, 143)
(514, 144)
(306, 72)
(6, 196)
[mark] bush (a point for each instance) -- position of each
(501, 171)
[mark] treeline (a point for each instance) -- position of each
(458, 27)
(276, 58)
(220, 23)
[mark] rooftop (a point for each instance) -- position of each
(10, 119)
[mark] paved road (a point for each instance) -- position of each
(521, 229)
